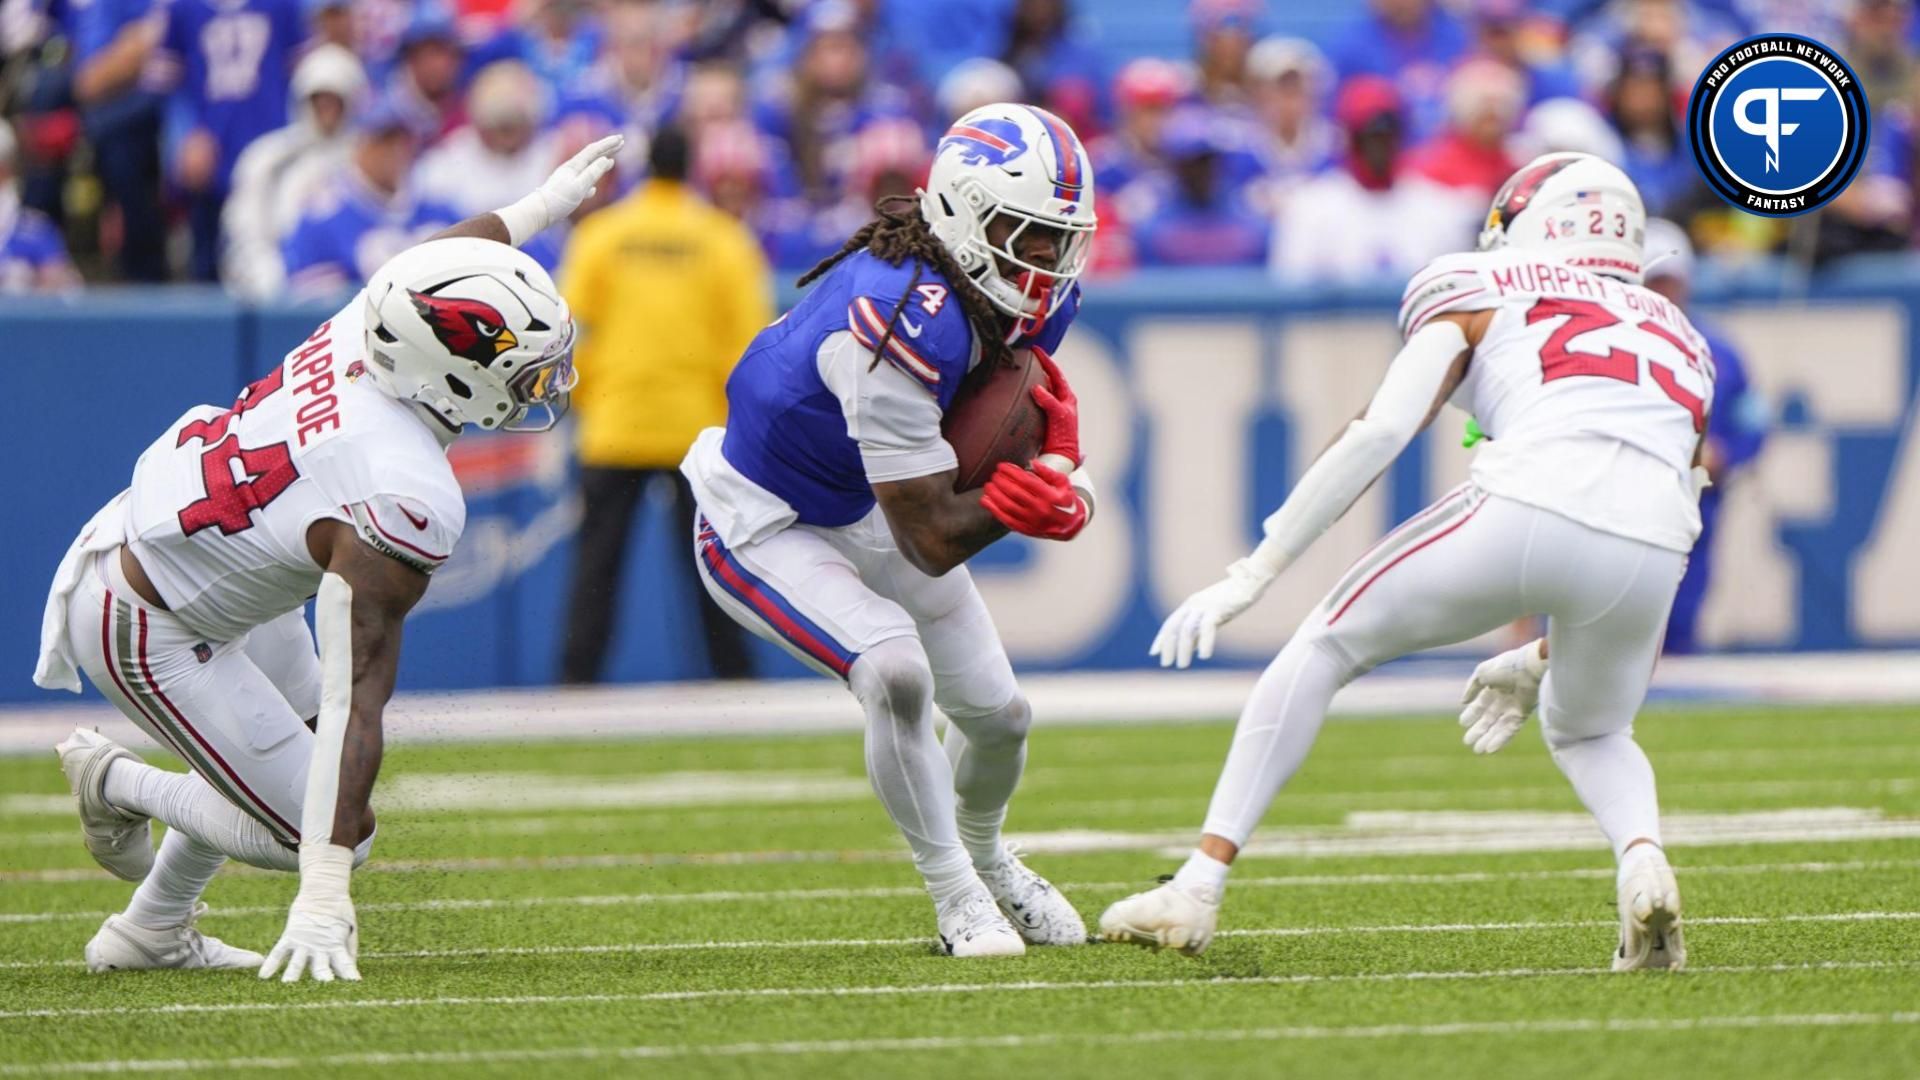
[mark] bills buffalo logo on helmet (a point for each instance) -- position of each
(468, 328)
(989, 142)
(1520, 190)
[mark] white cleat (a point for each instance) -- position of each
(1172, 916)
(1034, 907)
(122, 945)
(971, 925)
(1650, 934)
(119, 841)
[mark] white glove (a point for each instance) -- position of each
(322, 934)
(570, 185)
(1500, 697)
(1192, 626)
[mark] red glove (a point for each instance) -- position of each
(1062, 409)
(1040, 504)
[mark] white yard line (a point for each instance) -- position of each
(976, 1042)
(1365, 832)
(935, 989)
(885, 892)
(1275, 931)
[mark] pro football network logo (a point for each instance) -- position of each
(1778, 124)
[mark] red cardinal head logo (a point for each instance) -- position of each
(1520, 189)
(469, 328)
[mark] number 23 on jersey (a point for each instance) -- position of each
(1559, 361)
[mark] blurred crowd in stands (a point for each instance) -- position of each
(287, 147)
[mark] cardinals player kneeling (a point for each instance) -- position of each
(182, 598)
(1595, 392)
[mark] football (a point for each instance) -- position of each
(994, 419)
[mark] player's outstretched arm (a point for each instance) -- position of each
(552, 202)
(1418, 383)
(936, 527)
(363, 601)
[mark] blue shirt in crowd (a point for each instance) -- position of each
(236, 59)
(29, 245)
(350, 231)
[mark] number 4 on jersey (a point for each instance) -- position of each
(269, 470)
(1559, 361)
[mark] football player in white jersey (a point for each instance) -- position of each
(182, 599)
(1583, 507)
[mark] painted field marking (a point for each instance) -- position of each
(886, 892)
(716, 791)
(1381, 832)
(974, 1042)
(731, 993)
(1275, 931)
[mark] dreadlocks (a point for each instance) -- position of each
(900, 233)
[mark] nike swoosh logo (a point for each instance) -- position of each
(912, 330)
(418, 522)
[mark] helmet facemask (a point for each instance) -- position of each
(546, 384)
(1016, 285)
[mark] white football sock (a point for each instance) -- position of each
(1276, 729)
(187, 803)
(180, 874)
(1614, 780)
(988, 754)
(1202, 872)
(904, 762)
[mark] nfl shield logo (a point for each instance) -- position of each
(203, 652)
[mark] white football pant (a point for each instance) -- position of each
(1468, 564)
(848, 604)
(235, 711)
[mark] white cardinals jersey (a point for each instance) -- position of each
(220, 505)
(1594, 392)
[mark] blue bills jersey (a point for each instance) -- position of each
(236, 63)
(786, 430)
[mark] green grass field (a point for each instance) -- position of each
(741, 906)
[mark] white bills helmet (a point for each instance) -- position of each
(1574, 208)
(1027, 164)
(475, 331)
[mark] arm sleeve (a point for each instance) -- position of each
(1396, 414)
(889, 414)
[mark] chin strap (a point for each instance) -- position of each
(1042, 298)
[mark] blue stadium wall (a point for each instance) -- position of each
(1203, 396)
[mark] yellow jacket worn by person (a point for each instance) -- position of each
(668, 291)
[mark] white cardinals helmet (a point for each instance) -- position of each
(1574, 208)
(1027, 164)
(475, 331)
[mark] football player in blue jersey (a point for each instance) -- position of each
(829, 523)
